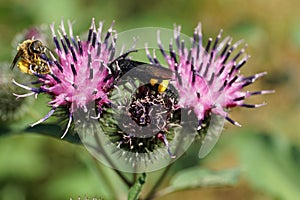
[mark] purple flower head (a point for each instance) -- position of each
(80, 74)
(208, 78)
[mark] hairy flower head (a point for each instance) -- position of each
(80, 73)
(208, 77)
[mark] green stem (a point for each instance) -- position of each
(135, 174)
(134, 177)
(93, 164)
(152, 192)
(106, 179)
(102, 151)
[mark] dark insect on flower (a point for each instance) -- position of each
(31, 58)
(146, 129)
(157, 75)
(142, 118)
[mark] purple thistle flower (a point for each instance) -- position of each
(208, 78)
(80, 75)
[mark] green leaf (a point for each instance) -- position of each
(198, 177)
(135, 190)
(271, 164)
(55, 131)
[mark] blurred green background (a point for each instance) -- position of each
(266, 148)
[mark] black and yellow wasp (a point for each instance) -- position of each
(157, 75)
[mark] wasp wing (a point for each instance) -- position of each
(145, 69)
(16, 59)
